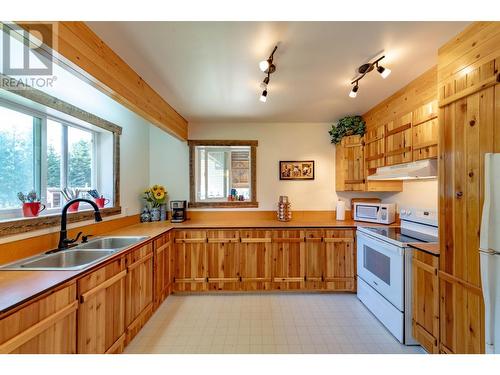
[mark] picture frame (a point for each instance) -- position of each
(296, 169)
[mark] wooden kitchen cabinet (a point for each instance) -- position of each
(425, 300)
(45, 326)
(340, 260)
(163, 270)
(315, 258)
(425, 131)
(288, 252)
(223, 256)
(190, 259)
(139, 289)
(101, 313)
(398, 140)
(375, 148)
(255, 259)
(350, 164)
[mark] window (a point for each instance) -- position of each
(223, 173)
(46, 153)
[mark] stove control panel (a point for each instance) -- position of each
(419, 215)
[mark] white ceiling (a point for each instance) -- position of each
(208, 71)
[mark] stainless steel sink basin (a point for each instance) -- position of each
(111, 243)
(63, 260)
(78, 257)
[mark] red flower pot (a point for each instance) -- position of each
(101, 202)
(74, 207)
(32, 209)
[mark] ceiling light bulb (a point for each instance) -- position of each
(384, 72)
(264, 65)
(354, 91)
(263, 97)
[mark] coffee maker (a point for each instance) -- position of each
(178, 211)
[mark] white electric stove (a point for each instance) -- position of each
(384, 268)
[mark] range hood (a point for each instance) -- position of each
(422, 169)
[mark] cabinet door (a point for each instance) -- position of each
(190, 254)
(101, 314)
(350, 167)
(46, 326)
(340, 260)
(288, 249)
(255, 259)
(425, 131)
(374, 149)
(139, 289)
(315, 258)
(223, 253)
(425, 300)
(398, 139)
(162, 268)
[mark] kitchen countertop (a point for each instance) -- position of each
(17, 287)
(429, 247)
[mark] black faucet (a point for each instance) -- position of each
(63, 234)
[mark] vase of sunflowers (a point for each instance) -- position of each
(155, 197)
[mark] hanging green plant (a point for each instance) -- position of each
(349, 125)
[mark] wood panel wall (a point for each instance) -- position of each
(81, 51)
(469, 123)
(418, 92)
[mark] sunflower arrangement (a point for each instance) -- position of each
(156, 195)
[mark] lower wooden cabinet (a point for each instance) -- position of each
(425, 302)
(101, 313)
(190, 259)
(223, 258)
(255, 259)
(163, 268)
(340, 259)
(288, 253)
(45, 326)
(139, 289)
(314, 259)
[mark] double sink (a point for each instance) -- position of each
(78, 257)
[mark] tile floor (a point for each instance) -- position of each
(265, 323)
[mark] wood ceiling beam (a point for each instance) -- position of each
(81, 51)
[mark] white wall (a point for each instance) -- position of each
(134, 141)
(304, 141)
(169, 164)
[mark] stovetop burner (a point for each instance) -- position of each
(402, 235)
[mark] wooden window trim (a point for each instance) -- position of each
(252, 203)
(23, 225)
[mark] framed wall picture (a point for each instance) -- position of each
(297, 170)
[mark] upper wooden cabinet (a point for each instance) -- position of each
(350, 164)
(425, 131)
(45, 326)
(374, 148)
(398, 140)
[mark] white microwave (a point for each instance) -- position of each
(382, 213)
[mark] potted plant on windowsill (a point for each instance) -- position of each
(70, 194)
(156, 197)
(31, 203)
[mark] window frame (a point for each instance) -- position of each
(194, 178)
(40, 152)
(52, 106)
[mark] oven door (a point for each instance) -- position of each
(381, 265)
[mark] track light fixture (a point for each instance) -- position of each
(267, 66)
(364, 70)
